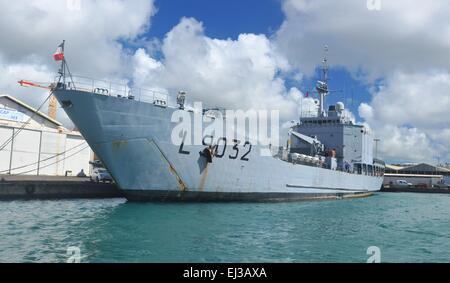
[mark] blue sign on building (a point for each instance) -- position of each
(12, 115)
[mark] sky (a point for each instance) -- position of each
(389, 59)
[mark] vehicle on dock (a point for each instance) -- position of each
(402, 183)
(101, 175)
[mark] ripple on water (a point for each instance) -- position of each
(406, 227)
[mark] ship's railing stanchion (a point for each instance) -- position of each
(121, 89)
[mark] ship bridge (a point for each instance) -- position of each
(336, 115)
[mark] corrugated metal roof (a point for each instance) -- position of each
(412, 175)
(423, 167)
(394, 167)
(32, 109)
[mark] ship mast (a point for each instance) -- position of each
(322, 85)
(64, 69)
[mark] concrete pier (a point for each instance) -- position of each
(48, 187)
(388, 189)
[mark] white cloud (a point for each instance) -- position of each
(419, 99)
(34, 29)
(365, 111)
(307, 106)
(146, 69)
(241, 73)
(405, 144)
(410, 115)
(12, 73)
(405, 34)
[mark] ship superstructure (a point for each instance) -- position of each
(333, 138)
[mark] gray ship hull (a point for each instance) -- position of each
(133, 140)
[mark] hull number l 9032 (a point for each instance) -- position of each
(219, 149)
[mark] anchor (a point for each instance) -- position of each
(207, 153)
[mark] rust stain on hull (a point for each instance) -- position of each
(203, 177)
(360, 195)
(181, 183)
(119, 143)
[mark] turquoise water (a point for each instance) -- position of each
(406, 228)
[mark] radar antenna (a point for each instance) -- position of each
(325, 64)
(322, 85)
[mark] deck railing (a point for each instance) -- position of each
(104, 87)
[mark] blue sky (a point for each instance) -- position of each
(222, 19)
(228, 19)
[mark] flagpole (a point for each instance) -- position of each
(63, 66)
(301, 106)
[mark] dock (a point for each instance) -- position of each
(23, 187)
(387, 189)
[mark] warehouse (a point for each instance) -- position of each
(34, 143)
(421, 168)
(418, 181)
(419, 175)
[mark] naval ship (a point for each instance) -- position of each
(326, 156)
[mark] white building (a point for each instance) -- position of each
(32, 143)
(422, 174)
